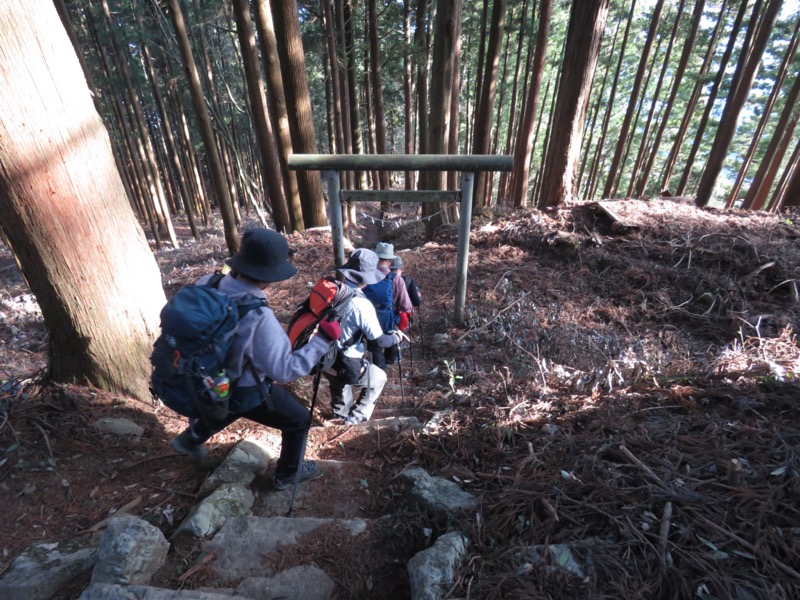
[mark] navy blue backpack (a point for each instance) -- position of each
(381, 295)
(197, 328)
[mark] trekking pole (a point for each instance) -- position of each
(410, 343)
(400, 363)
(421, 329)
(400, 370)
(305, 441)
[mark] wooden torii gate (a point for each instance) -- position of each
(468, 165)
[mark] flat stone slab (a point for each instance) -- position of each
(119, 426)
(305, 581)
(241, 545)
(432, 571)
(437, 494)
(228, 500)
(338, 491)
(245, 461)
(41, 570)
(107, 591)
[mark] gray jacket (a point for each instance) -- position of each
(261, 343)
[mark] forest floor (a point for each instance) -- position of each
(624, 390)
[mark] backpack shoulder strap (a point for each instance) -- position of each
(214, 280)
(249, 302)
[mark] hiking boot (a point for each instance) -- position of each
(351, 420)
(185, 444)
(307, 470)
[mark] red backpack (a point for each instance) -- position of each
(329, 298)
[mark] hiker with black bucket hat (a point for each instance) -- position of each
(360, 270)
(261, 357)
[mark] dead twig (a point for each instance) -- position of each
(44, 435)
(124, 510)
(645, 469)
(664, 534)
(494, 318)
(750, 547)
(198, 567)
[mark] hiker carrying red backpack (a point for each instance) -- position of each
(260, 357)
(361, 322)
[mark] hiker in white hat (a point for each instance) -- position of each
(390, 298)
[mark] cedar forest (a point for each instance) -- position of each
(623, 386)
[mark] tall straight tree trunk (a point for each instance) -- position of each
(408, 90)
(421, 47)
(351, 70)
(146, 204)
(691, 105)
(455, 110)
(599, 155)
(377, 89)
(369, 117)
(65, 214)
(587, 22)
(336, 84)
(774, 165)
(502, 188)
(637, 164)
(480, 68)
(483, 117)
(547, 133)
(150, 163)
(269, 163)
(446, 28)
(713, 96)
(616, 162)
(788, 195)
(218, 179)
(301, 121)
(670, 103)
(730, 114)
(169, 139)
(523, 148)
(760, 178)
(590, 128)
(632, 140)
(765, 116)
(277, 107)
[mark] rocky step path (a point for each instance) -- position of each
(338, 543)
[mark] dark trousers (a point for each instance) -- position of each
(279, 410)
(381, 357)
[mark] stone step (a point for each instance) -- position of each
(246, 546)
(338, 491)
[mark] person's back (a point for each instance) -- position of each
(414, 295)
(261, 354)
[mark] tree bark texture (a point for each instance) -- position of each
(442, 67)
(524, 145)
(688, 46)
(585, 31)
(701, 128)
(617, 163)
(483, 117)
(298, 101)
(71, 229)
(733, 107)
(269, 162)
(218, 178)
(278, 110)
